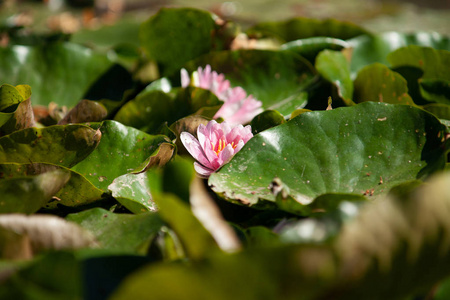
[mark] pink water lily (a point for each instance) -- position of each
(217, 143)
(238, 108)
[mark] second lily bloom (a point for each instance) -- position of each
(238, 108)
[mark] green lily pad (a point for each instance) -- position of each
(301, 28)
(368, 49)
(58, 72)
(123, 233)
(344, 150)
(164, 36)
(335, 68)
(63, 145)
(378, 83)
(78, 191)
(279, 79)
(121, 150)
(134, 191)
(28, 194)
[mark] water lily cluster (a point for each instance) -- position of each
(217, 143)
(238, 108)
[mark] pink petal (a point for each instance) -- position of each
(226, 155)
(194, 148)
(202, 171)
(185, 79)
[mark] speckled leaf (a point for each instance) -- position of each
(277, 78)
(28, 194)
(63, 145)
(334, 67)
(123, 233)
(378, 83)
(121, 150)
(365, 150)
(58, 72)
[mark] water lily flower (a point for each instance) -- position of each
(217, 143)
(237, 108)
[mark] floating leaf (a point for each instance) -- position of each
(334, 67)
(309, 155)
(122, 149)
(45, 69)
(277, 78)
(265, 120)
(378, 83)
(63, 145)
(122, 233)
(164, 36)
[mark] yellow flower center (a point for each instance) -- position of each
(220, 146)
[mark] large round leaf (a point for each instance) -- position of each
(121, 150)
(365, 149)
(58, 72)
(277, 78)
(63, 145)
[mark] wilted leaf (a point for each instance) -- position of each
(63, 145)
(28, 194)
(85, 111)
(42, 232)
